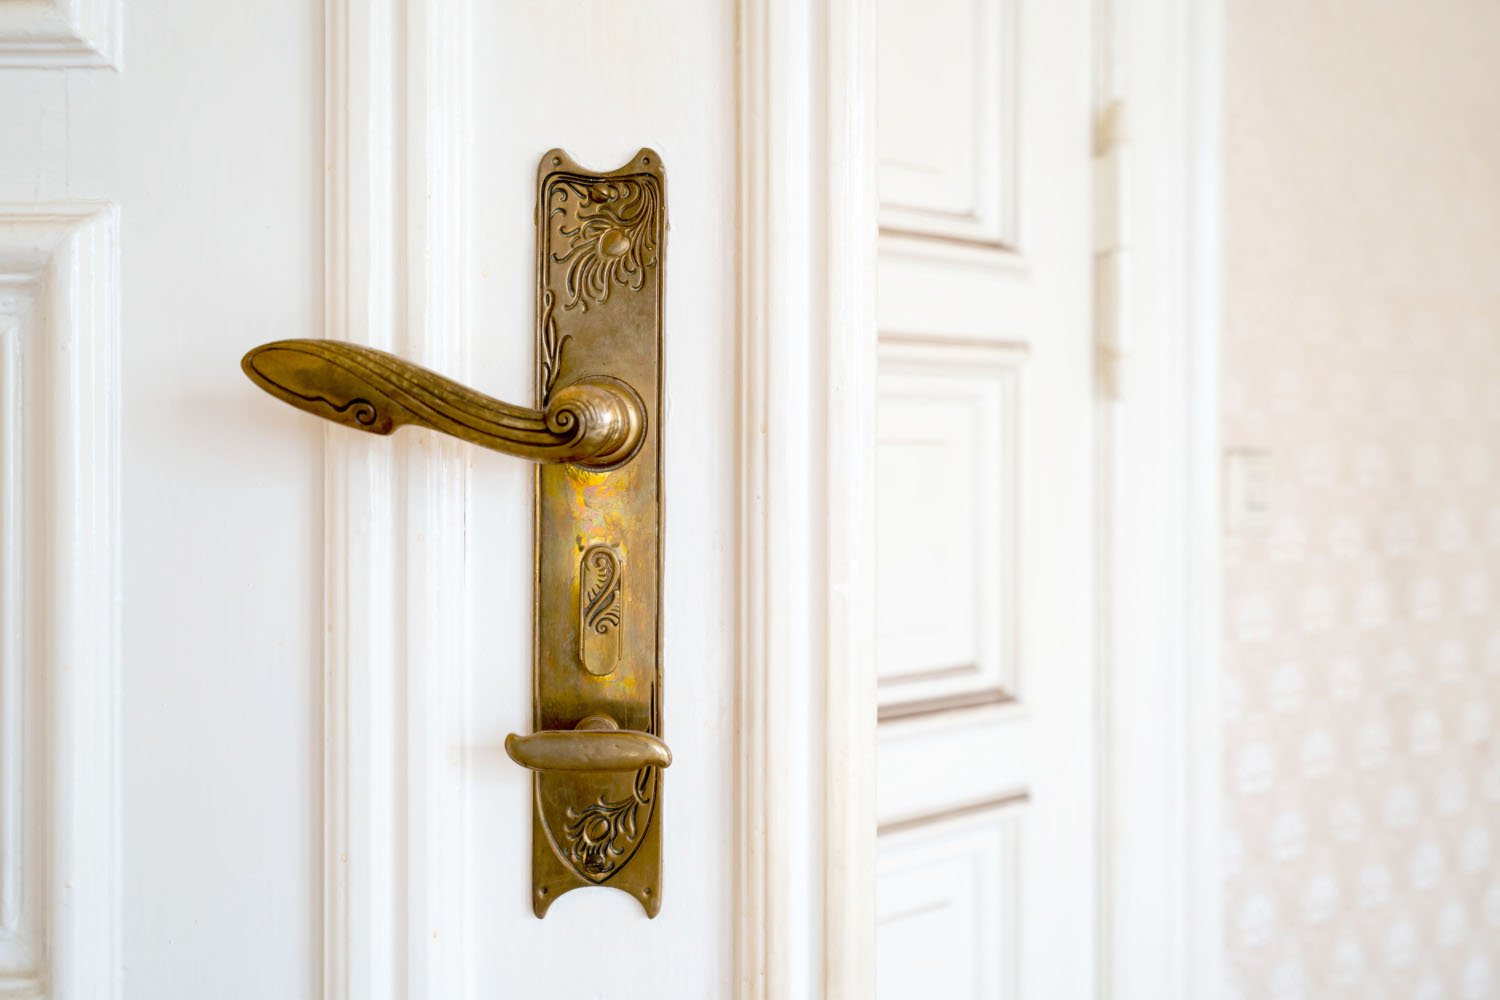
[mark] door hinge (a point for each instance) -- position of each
(1111, 255)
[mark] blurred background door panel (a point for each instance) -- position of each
(986, 880)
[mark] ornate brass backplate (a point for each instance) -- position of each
(598, 531)
(596, 750)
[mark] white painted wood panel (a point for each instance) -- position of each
(208, 139)
(327, 635)
(942, 290)
(57, 34)
(22, 826)
(986, 531)
(937, 761)
(603, 80)
(947, 72)
(947, 514)
(947, 907)
(59, 601)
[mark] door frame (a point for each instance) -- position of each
(807, 381)
(808, 236)
(1158, 95)
(398, 123)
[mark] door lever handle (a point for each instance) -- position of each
(596, 744)
(596, 421)
(596, 433)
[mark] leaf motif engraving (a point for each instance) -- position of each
(601, 608)
(602, 612)
(614, 239)
(552, 346)
(599, 833)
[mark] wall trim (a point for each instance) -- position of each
(61, 34)
(69, 253)
(396, 802)
(1158, 95)
(806, 693)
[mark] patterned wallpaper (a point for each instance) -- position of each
(1362, 354)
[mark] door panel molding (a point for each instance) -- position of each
(396, 801)
(60, 926)
(949, 424)
(57, 34)
(950, 888)
(951, 185)
(806, 692)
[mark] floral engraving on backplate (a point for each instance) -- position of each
(601, 609)
(610, 229)
(597, 835)
(552, 346)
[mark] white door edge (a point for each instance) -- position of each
(1159, 513)
(806, 678)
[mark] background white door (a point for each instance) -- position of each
(284, 776)
(984, 511)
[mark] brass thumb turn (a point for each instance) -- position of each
(596, 422)
(596, 744)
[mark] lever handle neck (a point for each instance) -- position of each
(596, 422)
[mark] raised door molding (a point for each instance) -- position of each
(59, 602)
(396, 801)
(58, 34)
(806, 693)
(949, 911)
(947, 103)
(948, 534)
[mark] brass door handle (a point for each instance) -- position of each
(597, 432)
(596, 744)
(596, 421)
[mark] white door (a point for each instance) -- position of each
(985, 856)
(257, 671)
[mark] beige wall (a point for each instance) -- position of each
(1362, 351)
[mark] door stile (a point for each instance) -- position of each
(806, 689)
(396, 651)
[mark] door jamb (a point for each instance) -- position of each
(807, 707)
(1159, 91)
(806, 694)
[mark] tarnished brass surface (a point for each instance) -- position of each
(598, 555)
(596, 751)
(599, 750)
(594, 421)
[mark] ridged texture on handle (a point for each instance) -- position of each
(588, 750)
(596, 422)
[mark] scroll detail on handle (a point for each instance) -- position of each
(597, 422)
